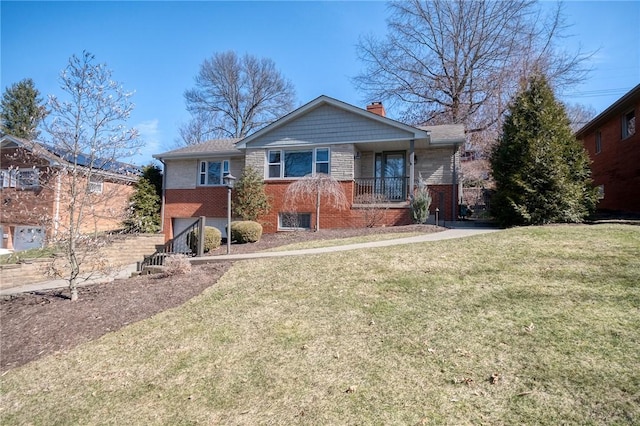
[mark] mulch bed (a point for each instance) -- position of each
(37, 324)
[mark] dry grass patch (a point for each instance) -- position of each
(345, 241)
(526, 326)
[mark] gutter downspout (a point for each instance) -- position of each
(164, 185)
(454, 187)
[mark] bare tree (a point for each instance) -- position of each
(238, 95)
(312, 189)
(200, 128)
(88, 131)
(462, 61)
(579, 115)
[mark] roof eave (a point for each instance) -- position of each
(196, 155)
(605, 114)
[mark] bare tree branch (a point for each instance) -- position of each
(235, 96)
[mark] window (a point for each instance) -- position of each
(212, 172)
(23, 179)
(95, 185)
(294, 221)
(628, 124)
(322, 160)
(598, 142)
(600, 192)
(274, 164)
(297, 163)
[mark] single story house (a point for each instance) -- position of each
(365, 151)
(35, 193)
(612, 140)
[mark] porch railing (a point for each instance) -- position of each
(179, 244)
(391, 189)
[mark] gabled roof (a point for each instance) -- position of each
(58, 157)
(414, 132)
(218, 147)
(616, 108)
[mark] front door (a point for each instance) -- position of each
(390, 175)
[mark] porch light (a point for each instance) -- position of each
(229, 180)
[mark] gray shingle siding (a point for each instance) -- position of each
(329, 125)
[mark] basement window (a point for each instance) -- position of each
(290, 221)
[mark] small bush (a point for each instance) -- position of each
(421, 203)
(212, 239)
(176, 264)
(373, 207)
(246, 231)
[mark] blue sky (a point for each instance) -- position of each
(156, 48)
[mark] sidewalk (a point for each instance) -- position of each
(129, 269)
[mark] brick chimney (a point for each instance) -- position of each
(376, 108)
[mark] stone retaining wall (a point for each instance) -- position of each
(122, 251)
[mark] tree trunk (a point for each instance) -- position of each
(75, 270)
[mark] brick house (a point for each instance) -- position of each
(613, 143)
(365, 151)
(34, 193)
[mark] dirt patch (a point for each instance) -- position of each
(41, 323)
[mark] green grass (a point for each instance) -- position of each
(38, 253)
(345, 241)
(404, 335)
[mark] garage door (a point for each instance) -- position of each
(28, 237)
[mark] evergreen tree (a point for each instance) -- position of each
(145, 202)
(250, 201)
(22, 110)
(541, 171)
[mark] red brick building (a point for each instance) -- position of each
(34, 192)
(613, 142)
(368, 153)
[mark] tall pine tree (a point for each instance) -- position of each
(22, 110)
(145, 202)
(541, 171)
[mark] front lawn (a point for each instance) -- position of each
(524, 326)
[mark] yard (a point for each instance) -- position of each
(531, 325)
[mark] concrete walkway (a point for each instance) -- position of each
(129, 269)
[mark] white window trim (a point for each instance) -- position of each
(12, 178)
(225, 169)
(292, 228)
(314, 161)
(625, 124)
(96, 185)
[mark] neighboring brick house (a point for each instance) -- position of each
(365, 151)
(612, 140)
(34, 194)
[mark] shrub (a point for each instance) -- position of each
(176, 264)
(421, 203)
(250, 201)
(373, 207)
(212, 239)
(246, 231)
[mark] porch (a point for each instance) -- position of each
(382, 190)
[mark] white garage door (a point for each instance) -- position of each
(28, 237)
